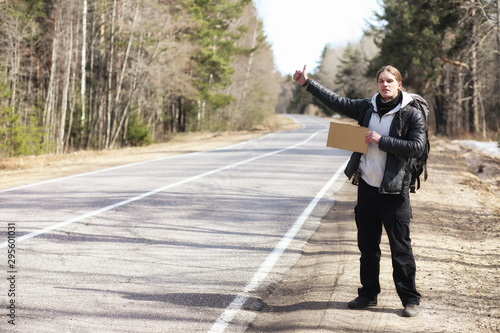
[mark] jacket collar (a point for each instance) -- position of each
(406, 100)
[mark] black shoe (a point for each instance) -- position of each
(362, 302)
(410, 310)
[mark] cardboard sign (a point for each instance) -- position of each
(348, 137)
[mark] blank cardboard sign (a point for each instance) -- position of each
(348, 137)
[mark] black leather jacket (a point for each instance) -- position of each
(406, 136)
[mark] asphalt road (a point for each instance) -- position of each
(179, 244)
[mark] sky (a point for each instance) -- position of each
(298, 30)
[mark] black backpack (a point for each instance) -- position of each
(419, 165)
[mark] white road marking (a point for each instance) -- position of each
(268, 264)
(54, 180)
(150, 193)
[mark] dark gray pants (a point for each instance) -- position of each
(393, 211)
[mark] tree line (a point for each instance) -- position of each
(448, 51)
(99, 74)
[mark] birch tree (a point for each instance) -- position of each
(83, 85)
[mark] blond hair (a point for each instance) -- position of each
(394, 71)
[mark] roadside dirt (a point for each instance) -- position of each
(456, 242)
(19, 171)
(455, 233)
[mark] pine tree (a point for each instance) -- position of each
(351, 74)
(211, 63)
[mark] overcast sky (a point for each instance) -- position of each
(298, 30)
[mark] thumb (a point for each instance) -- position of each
(304, 73)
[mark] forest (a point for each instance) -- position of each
(447, 51)
(103, 74)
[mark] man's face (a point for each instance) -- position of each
(388, 86)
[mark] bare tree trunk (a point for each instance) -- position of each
(483, 118)
(451, 111)
(84, 62)
(182, 115)
(109, 116)
(498, 53)
(120, 82)
(126, 111)
(474, 75)
(65, 93)
(53, 119)
(16, 63)
(71, 113)
(49, 101)
(475, 91)
(498, 46)
(460, 120)
(72, 95)
(101, 98)
(29, 98)
(123, 119)
(93, 125)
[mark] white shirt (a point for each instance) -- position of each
(372, 164)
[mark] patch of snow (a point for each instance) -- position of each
(489, 147)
